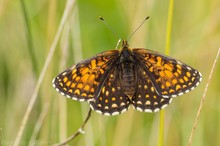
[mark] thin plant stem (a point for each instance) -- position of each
(161, 129)
(38, 125)
(67, 11)
(167, 52)
(169, 27)
(64, 41)
(80, 131)
(202, 100)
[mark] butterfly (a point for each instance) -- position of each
(113, 80)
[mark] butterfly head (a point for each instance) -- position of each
(124, 43)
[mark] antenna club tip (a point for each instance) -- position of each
(100, 17)
(147, 17)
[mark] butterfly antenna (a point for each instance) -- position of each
(138, 28)
(103, 20)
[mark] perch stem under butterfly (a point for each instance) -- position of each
(80, 131)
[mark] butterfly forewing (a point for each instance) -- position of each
(111, 100)
(82, 81)
(169, 76)
(146, 98)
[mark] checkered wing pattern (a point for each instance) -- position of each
(111, 100)
(82, 81)
(146, 98)
(169, 77)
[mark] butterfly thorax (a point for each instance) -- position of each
(127, 68)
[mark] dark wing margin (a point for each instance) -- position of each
(81, 82)
(169, 76)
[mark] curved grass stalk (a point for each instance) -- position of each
(202, 101)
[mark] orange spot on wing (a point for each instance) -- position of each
(91, 78)
(188, 74)
(159, 59)
(68, 83)
(84, 70)
(93, 64)
(186, 79)
(70, 91)
(87, 87)
(73, 71)
(84, 78)
(168, 67)
(174, 81)
(65, 79)
(80, 85)
(73, 85)
(168, 74)
(178, 87)
(168, 84)
(77, 92)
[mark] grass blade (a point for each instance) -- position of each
(167, 52)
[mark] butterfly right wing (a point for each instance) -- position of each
(82, 81)
(169, 76)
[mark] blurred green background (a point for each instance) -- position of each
(195, 40)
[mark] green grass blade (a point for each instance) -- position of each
(29, 39)
(167, 52)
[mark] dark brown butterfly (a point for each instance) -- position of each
(113, 80)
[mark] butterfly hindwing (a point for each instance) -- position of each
(81, 82)
(146, 98)
(169, 76)
(111, 100)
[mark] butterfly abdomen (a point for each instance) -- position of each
(127, 73)
(128, 79)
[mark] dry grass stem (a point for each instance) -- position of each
(202, 100)
(67, 10)
(38, 125)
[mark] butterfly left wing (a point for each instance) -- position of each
(169, 76)
(82, 81)
(111, 99)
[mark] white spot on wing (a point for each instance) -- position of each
(181, 93)
(148, 111)
(156, 110)
(115, 113)
(53, 80)
(187, 91)
(165, 105)
(124, 110)
(106, 114)
(139, 109)
(188, 68)
(81, 100)
(165, 96)
(170, 100)
(62, 93)
(174, 95)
